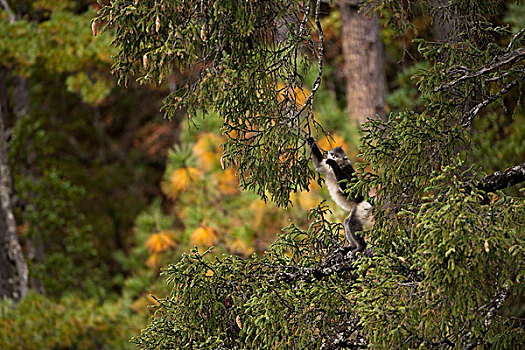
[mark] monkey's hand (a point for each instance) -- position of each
(317, 155)
(310, 141)
(332, 164)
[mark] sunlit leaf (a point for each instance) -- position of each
(180, 180)
(203, 236)
(161, 241)
(207, 150)
(228, 182)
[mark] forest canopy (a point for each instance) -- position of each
(210, 229)
(437, 232)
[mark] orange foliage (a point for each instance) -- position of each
(161, 241)
(239, 247)
(180, 180)
(228, 182)
(207, 150)
(327, 143)
(203, 236)
(153, 261)
(300, 95)
(158, 243)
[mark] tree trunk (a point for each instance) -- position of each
(441, 28)
(20, 96)
(13, 268)
(363, 66)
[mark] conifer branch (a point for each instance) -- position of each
(503, 179)
(320, 51)
(477, 108)
(511, 57)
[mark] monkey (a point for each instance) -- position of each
(339, 176)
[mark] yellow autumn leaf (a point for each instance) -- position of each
(203, 236)
(300, 95)
(327, 143)
(228, 182)
(287, 158)
(308, 200)
(161, 241)
(207, 150)
(180, 180)
(208, 160)
(153, 260)
(239, 246)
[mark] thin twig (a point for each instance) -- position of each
(477, 108)
(320, 52)
(514, 38)
(511, 57)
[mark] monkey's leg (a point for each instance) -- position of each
(352, 225)
(348, 236)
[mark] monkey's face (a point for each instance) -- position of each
(338, 155)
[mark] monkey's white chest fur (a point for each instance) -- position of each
(363, 210)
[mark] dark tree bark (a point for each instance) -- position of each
(13, 267)
(503, 179)
(363, 67)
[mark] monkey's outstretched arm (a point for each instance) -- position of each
(340, 174)
(317, 155)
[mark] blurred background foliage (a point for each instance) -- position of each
(108, 192)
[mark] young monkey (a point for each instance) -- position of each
(336, 167)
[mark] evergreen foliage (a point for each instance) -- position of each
(50, 216)
(61, 44)
(203, 206)
(73, 147)
(445, 265)
(38, 322)
(238, 66)
(80, 178)
(446, 269)
(279, 300)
